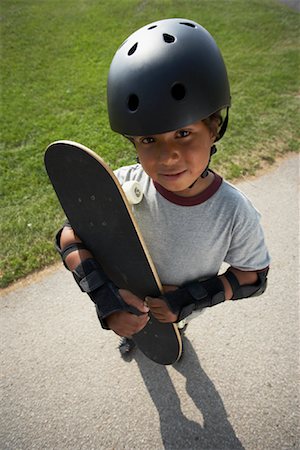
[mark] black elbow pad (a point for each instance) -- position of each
(248, 290)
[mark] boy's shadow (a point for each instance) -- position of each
(177, 431)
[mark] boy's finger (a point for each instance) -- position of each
(133, 300)
(155, 302)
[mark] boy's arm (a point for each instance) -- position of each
(113, 305)
(234, 284)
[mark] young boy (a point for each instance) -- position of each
(168, 92)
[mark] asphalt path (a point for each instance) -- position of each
(64, 385)
(293, 4)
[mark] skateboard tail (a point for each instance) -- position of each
(163, 349)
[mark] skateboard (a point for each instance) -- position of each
(100, 214)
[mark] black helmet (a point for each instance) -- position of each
(165, 76)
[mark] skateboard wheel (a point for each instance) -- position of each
(133, 192)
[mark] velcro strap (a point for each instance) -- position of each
(233, 281)
(72, 248)
(68, 249)
(92, 281)
(89, 275)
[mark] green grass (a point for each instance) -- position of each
(55, 60)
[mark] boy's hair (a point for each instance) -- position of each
(214, 123)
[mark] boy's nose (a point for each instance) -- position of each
(169, 153)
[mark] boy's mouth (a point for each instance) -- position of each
(172, 175)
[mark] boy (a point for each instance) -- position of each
(168, 92)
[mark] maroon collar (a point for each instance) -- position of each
(191, 201)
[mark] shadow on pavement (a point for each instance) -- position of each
(177, 431)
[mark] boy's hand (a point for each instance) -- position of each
(160, 309)
(124, 323)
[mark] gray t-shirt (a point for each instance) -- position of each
(190, 238)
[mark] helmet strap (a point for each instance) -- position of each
(204, 174)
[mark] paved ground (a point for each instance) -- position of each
(64, 385)
(294, 4)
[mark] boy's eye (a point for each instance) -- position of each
(183, 133)
(147, 140)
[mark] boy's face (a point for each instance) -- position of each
(176, 159)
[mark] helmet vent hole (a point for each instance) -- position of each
(133, 102)
(133, 49)
(168, 38)
(178, 91)
(188, 24)
(153, 26)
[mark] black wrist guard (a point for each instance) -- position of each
(89, 275)
(195, 295)
(91, 279)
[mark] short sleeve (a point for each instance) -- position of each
(247, 250)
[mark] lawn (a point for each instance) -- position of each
(55, 58)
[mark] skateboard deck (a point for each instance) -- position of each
(98, 210)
